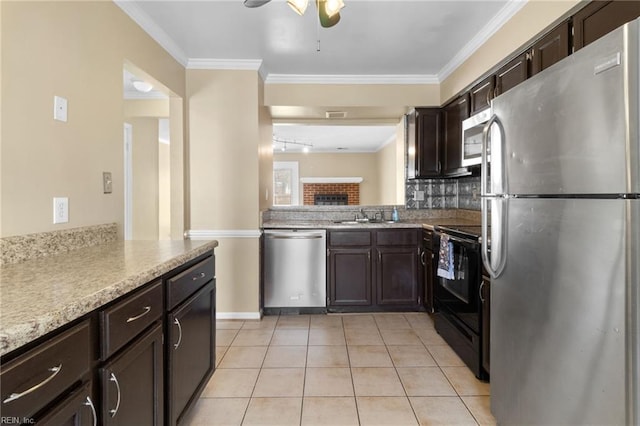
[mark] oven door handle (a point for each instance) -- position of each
(470, 243)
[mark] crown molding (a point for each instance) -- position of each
(505, 14)
(224, 64)
(150, 27)
(351, 79)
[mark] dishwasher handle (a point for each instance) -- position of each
(294, 235)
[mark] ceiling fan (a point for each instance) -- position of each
(328, 10)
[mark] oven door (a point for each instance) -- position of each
(459, 296)
(472, 129)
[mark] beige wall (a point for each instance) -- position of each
(358, 95)
(386, 166)
(391, 169)
(75, 50)
(363, 165)
(226, 131)
(265, 153)
(533, 19)
(164, 191)
(145, 178)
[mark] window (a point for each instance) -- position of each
(285, 183)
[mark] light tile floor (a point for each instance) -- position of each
(351, 369)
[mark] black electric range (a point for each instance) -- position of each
(458, 317)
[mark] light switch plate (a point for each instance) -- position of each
(107, 183)
(60, 209)
(59, 108)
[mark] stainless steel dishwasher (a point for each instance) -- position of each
(295, 268)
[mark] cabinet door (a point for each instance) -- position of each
(481, 94)
(190, 350)
(132, 383)
(550, 49)
(350, 277)
(485, 299)
(428, 130)
(397, 275)
(512, 74)
(76, 410)
(601, 17)
(454, 113)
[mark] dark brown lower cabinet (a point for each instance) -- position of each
(350, 277)
(397, 275)
(79, 409)
(132, 383)
(374, 269)
(190, 350)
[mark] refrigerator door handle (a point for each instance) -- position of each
(496, 263)
(497, 164)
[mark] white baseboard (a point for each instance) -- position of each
(238, 315)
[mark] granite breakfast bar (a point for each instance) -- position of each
(83, 329)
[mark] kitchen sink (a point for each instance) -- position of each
(362, 222)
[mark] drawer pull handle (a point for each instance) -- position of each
(114, 411)
(89, 403)
(147, 309)
(176, 322)
(197, 277)
(14, 396)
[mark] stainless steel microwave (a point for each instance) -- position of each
(472, 129)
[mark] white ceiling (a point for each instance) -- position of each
(376, 41)
(319, 138)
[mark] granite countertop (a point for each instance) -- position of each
(328, 224)
(40, 295)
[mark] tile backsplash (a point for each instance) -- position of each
(461, 193)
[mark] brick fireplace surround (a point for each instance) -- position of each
(309, 190)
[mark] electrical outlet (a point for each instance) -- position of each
(59, 108)
(60, 210)
(419, 196)
(107, 183)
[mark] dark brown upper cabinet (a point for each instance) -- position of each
(453, 114)
(550, 49)
(510, 75)
(428, 141)
(601, 17)
(481, 94)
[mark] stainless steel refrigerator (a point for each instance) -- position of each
(561, 239)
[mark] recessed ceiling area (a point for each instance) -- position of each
(331, 138)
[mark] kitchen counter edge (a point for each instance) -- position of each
(39, 296)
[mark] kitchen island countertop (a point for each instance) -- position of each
(40, 295)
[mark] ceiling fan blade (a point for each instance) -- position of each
(255, 3)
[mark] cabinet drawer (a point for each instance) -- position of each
(397, 237)
(31, 381)
(188, 282)
(349, 238)
(128, 318)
